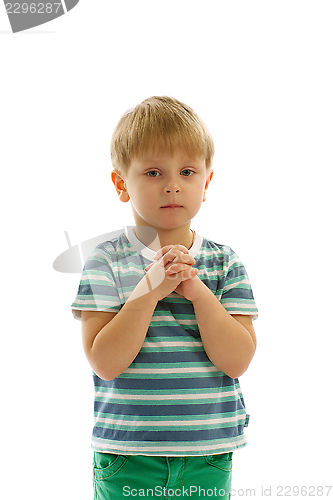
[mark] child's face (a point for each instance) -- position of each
(156, 182)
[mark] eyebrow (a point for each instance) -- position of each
(156, 161)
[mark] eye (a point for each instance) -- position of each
(189, 172)
(152, 172)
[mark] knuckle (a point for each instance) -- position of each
(180, 249)
(185, 257)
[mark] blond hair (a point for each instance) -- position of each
(160, 124)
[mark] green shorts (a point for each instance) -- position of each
(117, 477)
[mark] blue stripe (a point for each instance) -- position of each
(98, 290)
(178, 308)
(236, 271)
(166, 384)
(160, 410)
(215, 286)
(174, 331)
(238, 293)
(156, 358)
(169, 435)
(97, 265)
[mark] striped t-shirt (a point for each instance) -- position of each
(171, 400)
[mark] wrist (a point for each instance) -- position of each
(143, 294)
(192, 288)
(201, 291)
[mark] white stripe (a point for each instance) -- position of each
(96, 303)
(171, 344)
(238, 305)
(179, 449)
(215, 272)
(165, 397)
(169, 423)
(96, 277)
(173, 320)
(163, 318)
(208, 253)
(172, 370)
(125, 269)
(187, 321)
(235, 284)
(101, 255)
(233, 261)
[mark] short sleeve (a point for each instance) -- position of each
(97, 289)
(237, 296)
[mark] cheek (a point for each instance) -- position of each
(142, 204)
(198, 193)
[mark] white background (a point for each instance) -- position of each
(259, 73)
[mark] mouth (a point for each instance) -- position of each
(172, 206)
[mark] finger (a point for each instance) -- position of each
(182, 248)
(162, 251)
(178, 268)
(184, 275)
(189, 273)
(176, 256)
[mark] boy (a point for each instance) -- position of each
(166, 320)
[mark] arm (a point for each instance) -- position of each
(229, 341)
(111, 341)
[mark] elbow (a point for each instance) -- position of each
(106, 378)
(236, 368)
(236, 372)
(103, 370)
(102, 366)
(105, 374)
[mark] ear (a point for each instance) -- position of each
(120, 185)
(209, 178)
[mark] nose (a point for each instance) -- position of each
(170, 190)
(172, 187)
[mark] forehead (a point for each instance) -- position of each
(156, 157)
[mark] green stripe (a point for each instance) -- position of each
(238, 413)
(175, 338)
(184, 427)
(167, 402)
(164, 348)
(162, 376)
(158, 366)
(147, 392)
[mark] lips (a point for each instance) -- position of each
(172, 206)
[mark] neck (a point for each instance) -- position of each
(156, 238)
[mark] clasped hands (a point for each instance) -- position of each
(180, 276)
